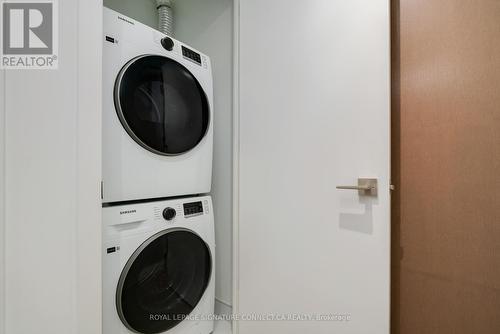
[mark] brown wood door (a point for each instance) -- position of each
(446, 162)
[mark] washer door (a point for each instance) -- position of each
(161, 105)
(163, 281)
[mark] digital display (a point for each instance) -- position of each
(193, 208)
(194, 56)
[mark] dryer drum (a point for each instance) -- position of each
(161, 105)
(163, 281)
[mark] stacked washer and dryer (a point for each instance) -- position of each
(158, 224)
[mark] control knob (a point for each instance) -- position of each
(167, 43)
(169, 213)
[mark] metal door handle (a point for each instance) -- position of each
(367, 187)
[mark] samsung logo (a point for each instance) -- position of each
(125, 20)
(127, 212)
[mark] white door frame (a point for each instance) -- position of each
(89, 235)
(236, 160)
(2, 202)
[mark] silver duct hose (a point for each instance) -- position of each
(165, 17)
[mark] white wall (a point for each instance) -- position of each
(143, 11)
(51, 204)
(208, 26)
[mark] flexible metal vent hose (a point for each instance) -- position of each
(165, 17)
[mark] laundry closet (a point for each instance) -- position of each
(274, 211)
(172, 91)
(240, 166)
(295, 93)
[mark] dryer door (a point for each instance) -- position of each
(161, 105)
(163, 281)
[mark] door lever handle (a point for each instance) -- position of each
(365, 187)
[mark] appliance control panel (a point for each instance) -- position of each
(191, 55)
(193, 209)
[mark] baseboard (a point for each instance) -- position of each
(223, 308)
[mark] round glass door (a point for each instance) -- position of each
(163, 281)
(161, 105)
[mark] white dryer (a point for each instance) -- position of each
(158, 267)
(157, 114)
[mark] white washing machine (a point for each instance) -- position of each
(157, 114)
(158, 267)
